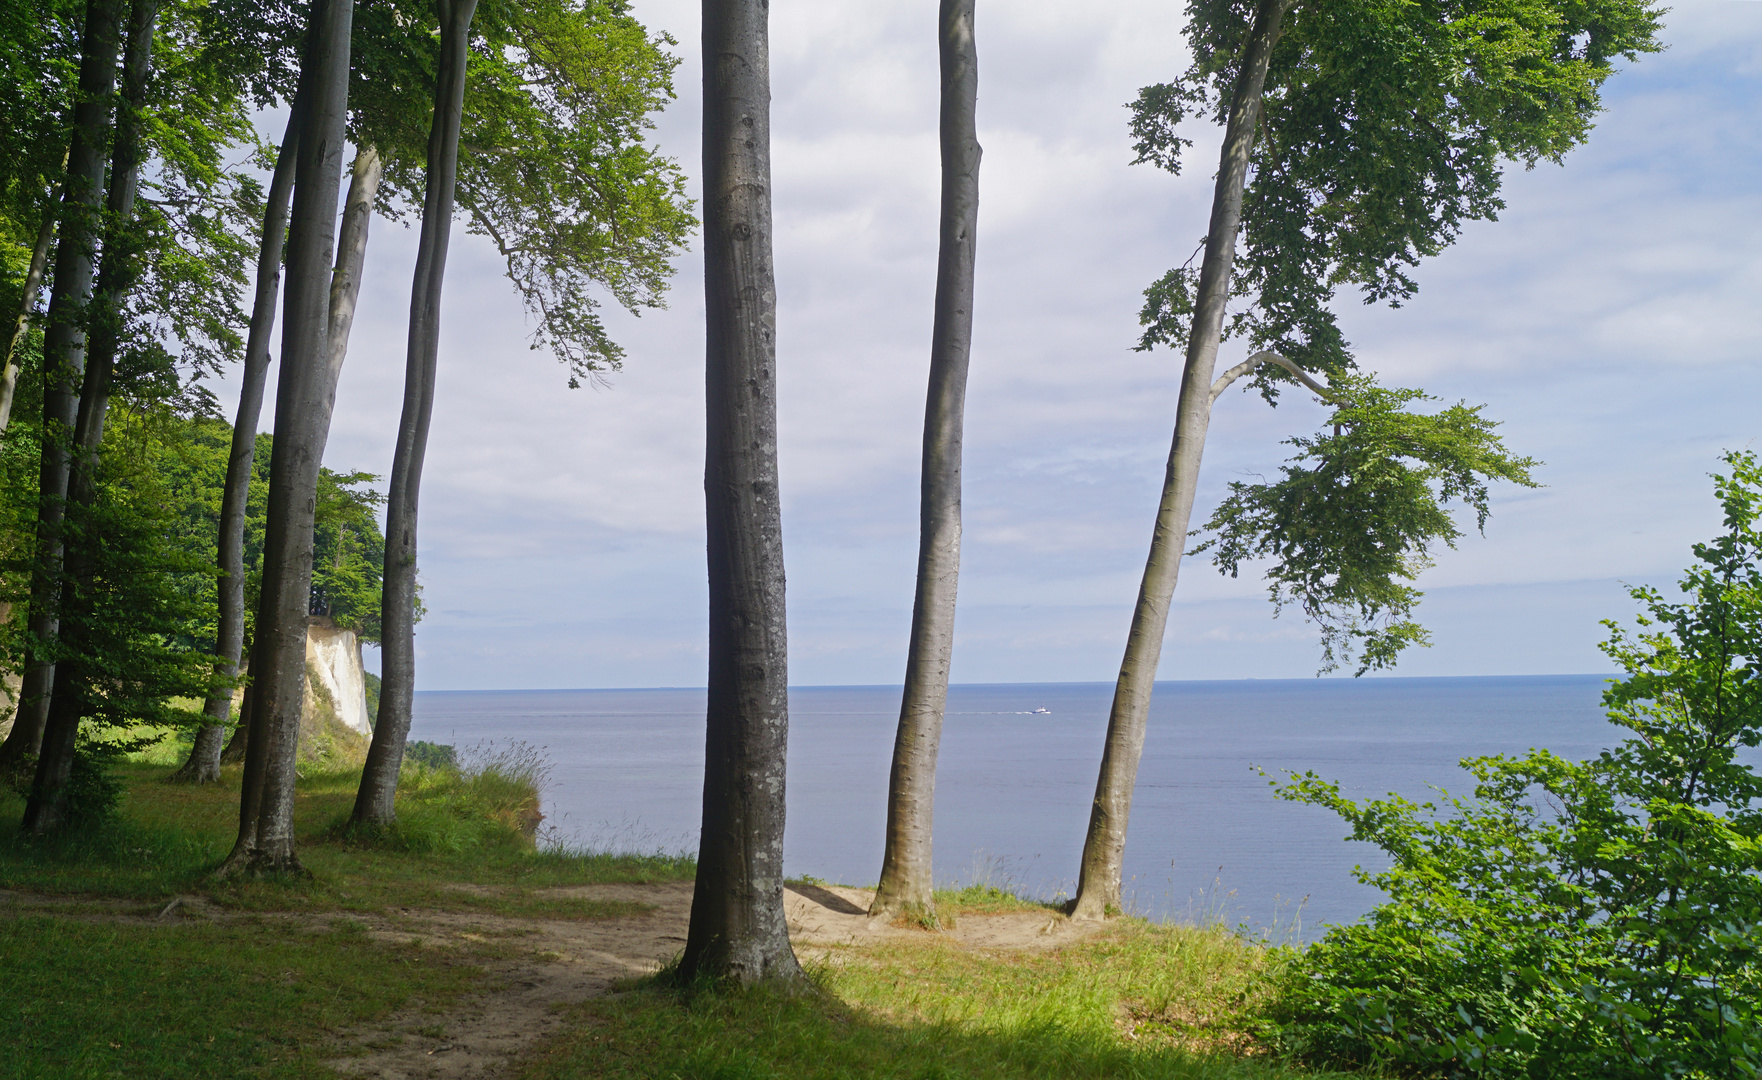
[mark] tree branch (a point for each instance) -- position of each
(1267, 356)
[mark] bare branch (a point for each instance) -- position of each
(1267, 356)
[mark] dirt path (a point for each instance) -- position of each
(558, 963)
(537, 966)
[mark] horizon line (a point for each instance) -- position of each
(1070, 682)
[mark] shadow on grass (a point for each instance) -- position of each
(654, 1032)
(253, 999)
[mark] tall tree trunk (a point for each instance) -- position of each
(375, 801)
(64, 360)
(46, 809)
(27, 307)
(906, 881)
(234, 752)
(305, 394)
(203, 766)
(1098, 885)
(737, 930)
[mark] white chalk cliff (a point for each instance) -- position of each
(333, 655)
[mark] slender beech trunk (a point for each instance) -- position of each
(27, 307)
(64, 359)
(375, 801)
(234, 752)
(272, 740)
(911, 790)
(737, 931)
(203, 766)
(46, 809)
(305, 394)
(1098, 885)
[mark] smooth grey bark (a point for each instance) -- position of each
(203, 765)
(234, 751)
(375, 801)
(64, 360)
(305, 394)
(1098, 885)
(27, 307)
(737, 930)
(46, 808)
(906, 881)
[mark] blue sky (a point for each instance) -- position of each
(1609, 319)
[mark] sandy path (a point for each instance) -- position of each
(560, 963)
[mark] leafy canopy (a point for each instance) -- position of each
(553, 166)
(1358, 511)
(190, 457)
(1592, 918)
(1384, 128)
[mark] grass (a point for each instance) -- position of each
(88, 988)
(83, 999)
(462, 844)
(1138, 1000)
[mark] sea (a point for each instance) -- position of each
(1209, 839)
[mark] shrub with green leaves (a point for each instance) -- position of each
(1577, 918)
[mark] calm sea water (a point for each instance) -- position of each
(1207, 836)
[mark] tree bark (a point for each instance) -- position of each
(234, 752)
(1098, 886)
(737, 930)
(906, 882)
(27, 306)
(64, 361)
(305, 394)
(46, 808)
(203, 766)
(375, 801)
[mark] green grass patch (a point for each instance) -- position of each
(262, 998)
(463, 842)
(1137, 1000)
(985, 899)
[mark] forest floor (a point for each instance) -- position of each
(122, 957)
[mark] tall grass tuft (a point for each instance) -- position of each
(489, 800)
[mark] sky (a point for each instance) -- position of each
(1608, 319)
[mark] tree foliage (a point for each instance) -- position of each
(1358, 511)
(1384, 128)
(348, 547)
(1592, 918)
(553, 166)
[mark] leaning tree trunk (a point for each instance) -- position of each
(737, 931)
(1098, 885)
(27, 307)
(46, 809)
(305, 394)
(375, 801)
(911, 791)
(64, 361)
(203, 766)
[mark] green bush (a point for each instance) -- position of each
(1573, 919)
(431, 755)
